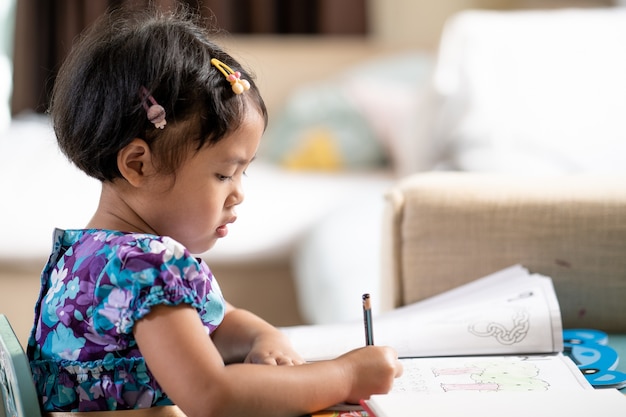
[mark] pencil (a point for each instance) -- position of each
(367, 320)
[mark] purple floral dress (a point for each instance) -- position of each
(94, 288)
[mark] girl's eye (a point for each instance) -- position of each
(224, 177)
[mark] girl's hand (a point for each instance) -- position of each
(244, 337)
(373, 370)
(273, 348)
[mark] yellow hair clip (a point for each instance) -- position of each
(234, 77)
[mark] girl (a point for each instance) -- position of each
(127, 318)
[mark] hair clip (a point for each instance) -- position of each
(234, 77)
(155, 112)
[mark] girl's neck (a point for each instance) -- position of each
(115, 213)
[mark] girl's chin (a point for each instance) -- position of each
(201, 247)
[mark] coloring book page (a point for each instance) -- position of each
(488, 374)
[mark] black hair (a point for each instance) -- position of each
(97, 108)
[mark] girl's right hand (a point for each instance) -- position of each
(373, 369)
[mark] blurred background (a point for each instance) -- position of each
(361, 93)
(38, 34)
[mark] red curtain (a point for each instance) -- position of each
(46, 29)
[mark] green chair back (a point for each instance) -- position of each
(19, 397)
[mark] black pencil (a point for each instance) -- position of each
(367, 320)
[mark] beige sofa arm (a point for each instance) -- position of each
(445, 229)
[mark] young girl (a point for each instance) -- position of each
(127, 318)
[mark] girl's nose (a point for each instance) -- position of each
(236, 196)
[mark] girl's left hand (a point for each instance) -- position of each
(273, 348)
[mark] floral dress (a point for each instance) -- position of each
(95, 286)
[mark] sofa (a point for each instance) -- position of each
(444, 229)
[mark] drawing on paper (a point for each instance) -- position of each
(412, 380)
(491, 376)
(499, 331)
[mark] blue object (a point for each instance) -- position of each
(596, 360)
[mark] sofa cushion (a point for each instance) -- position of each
(366, 116)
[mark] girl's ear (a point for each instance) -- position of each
(135, 162)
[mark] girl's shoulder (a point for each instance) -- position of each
(112, 238)
(114, 243)
(134, 270)
(122, 259)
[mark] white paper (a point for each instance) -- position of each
(508, 312)
(605, 403)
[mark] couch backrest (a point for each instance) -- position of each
(445, 229)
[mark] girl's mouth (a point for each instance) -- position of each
(222, 231)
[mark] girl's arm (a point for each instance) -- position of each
(190, 369)
(245, 337)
